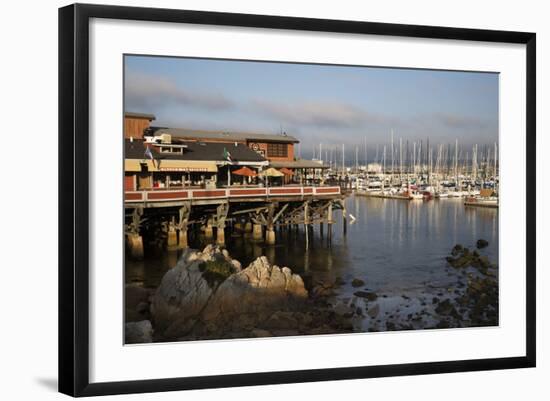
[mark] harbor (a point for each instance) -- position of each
(368, 244)
(322, 200)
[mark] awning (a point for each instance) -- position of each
(187, 166)
(132, 165)
(286, 171)
(298, 164)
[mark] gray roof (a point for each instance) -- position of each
(300, 163)
(185, 133)
(211, 151)
(139, 115)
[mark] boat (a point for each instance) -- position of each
(486, 198)
(481, 201)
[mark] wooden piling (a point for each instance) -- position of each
(208, 230)
(344, 217)
(257, 234)
(182, 239)
(171, 237)
(135, 244)
(330, 221)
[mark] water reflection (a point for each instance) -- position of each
(394, 245)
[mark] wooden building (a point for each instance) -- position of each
(177, 178)
(135, 124)
(278, 147)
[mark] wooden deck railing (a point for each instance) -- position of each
(227, 193)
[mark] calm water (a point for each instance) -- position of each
(395, 246)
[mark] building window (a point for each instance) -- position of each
(170, 149)
(277, 150)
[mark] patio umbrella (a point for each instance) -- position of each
(271, 172)
(286, 171)
(245, 171)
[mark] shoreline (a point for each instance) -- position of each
(326, 309)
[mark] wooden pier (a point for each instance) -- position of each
(254, 212)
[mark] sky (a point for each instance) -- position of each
(318, 104)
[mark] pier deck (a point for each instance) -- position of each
(167, 197)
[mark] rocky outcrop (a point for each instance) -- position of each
(207, 292)
(138, 332)
(258, 288)
(136, 303)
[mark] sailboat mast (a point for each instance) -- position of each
(392, 164)
(400, 159)
(343, 160)
(456, 165)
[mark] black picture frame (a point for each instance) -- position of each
(74, 198)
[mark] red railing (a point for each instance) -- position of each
(224, 193)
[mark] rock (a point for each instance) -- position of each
(371, 296)
(209, 284)
(132, 315)
(356, 282)
(142, 307)
(303, 318)
(236, 265)
(134, 295)
(456, 249)
(260, 333)
(285, 332)
(138, 332)
(323, 329)
(338, 281)
(374, 311)
(344, 310)
(481, 243)
(281, 321)
(321, 289)
(484, 262)
(183, 293)
(257, 288)
(445, 307)
(443, 324)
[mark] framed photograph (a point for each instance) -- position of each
(251, 199)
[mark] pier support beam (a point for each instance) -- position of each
(135, 244)
(306, 222)
(257, 234)
(135, 240)
(344, 217)
(220, 236)
(184, 214)
(248, 229)
(270, 237)
(182, 239)
(172, 237)
(270, 232)
(221, 216)
(238, 228)
(329, 221)
(208, 230)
